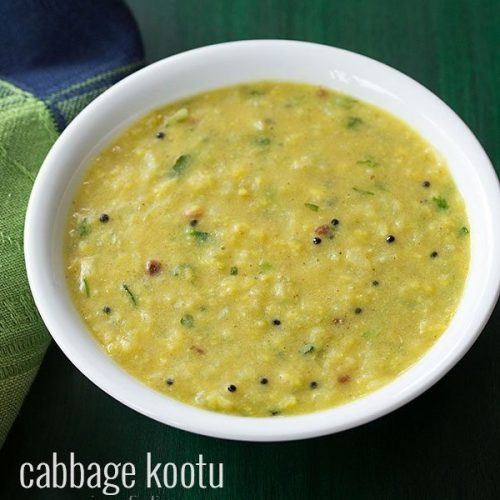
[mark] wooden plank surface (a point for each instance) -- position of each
(445, 444)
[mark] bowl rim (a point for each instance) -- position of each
(38, 249)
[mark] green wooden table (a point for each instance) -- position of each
(445, 444)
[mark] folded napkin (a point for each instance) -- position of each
(55, 57)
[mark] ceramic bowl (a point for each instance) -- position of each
(238, 62)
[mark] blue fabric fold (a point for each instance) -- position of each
(55, 57)
(66, 53)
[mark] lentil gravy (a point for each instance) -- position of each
(267, 249)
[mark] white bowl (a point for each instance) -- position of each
(231, 63)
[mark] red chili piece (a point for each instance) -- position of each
(323, 229)
(197, 349)
(153, 267)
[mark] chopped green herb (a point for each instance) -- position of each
(83, 228)
(180, 165)
(345, 101)
(440, 202)
(463, 231)
(265, 266)
(254, 92)
(130, 294)
(199, 236)
(86, 286)
(274, 412)
(263, 141)
(362, 191)
(354, 121)
(307, 348)
(233, 271)
(312, 206)
(187, 320)
(369, 161)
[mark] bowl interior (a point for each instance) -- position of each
(239, 62)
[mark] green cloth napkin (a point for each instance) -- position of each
(26, 133)
(55, 58)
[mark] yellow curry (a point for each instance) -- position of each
(267, 249)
